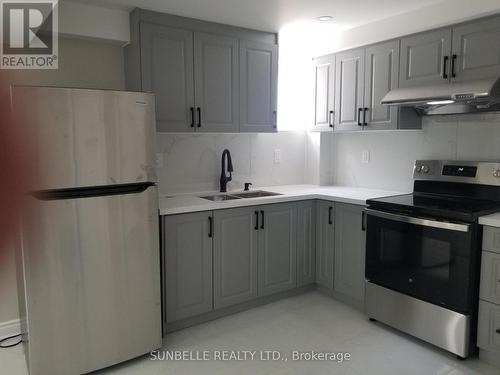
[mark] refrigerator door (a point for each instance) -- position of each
(87, 137)
(92, 281)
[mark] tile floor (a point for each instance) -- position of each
(304, 323)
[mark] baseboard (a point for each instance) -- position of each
(10, 328)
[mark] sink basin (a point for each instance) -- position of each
(220, 197)
(256, 194)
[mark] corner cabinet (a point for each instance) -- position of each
(306, 243)
(206, 77)
(325, 238)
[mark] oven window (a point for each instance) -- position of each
(432, 264)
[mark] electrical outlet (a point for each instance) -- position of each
(277, 156)
(365, 156)
(159, 160)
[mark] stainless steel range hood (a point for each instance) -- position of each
(449, 98)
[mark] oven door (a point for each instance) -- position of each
(428, 259)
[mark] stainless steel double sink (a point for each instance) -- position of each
(244, 195)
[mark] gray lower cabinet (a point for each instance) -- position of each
(236, 245)
(324, 93)
(349, 86)
(350, 240)
(488, 336)
(425, 58)
(476, 50)
(188, 265)
(381, 76)
(306, 243)
(259, 86)
(216, 83)
(167, 71)
(277, 248)
(324, 243)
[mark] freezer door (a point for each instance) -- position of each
(92, 281)
(87, 137)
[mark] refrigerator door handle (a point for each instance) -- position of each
(92, 191)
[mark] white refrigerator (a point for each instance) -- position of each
(88, 264)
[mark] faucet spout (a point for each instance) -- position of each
(224, 179)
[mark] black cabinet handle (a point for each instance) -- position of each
(445, 67)
(359, 116)
(330, 209)
(330, 119)
(192, 116)
(256, 220)
(275, 119)
(453, 60)
(498, 331)
(363, 222)
(262, 215)
(364, 116)
(199, 116)
(210, 227)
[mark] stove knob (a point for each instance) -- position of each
(496, 173)
(424, 169)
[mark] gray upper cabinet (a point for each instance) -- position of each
(236, 244)
(207, 77)
(324, 243)
(425, 58)
(259, 86)
(324, 93)
(476, 50)
(188, 265)
(306, 243)
(350, 239)
(349, 89)
(381, 76)
(216, 83)
(167, 70)
(277, 248)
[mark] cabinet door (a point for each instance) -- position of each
(490, 277)
(476, 50)
(324, 104)
(167, 71)
(381, 76)
(235, 255)
(306, 243)
(277, 248)
(349, 93)
(216, 83)
(259, 87)
(188, 264)
(488, 325)
(324, 243)
(425, 59)
(350, 242)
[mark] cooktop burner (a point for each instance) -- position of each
(459, 208)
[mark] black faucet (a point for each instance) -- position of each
(223, 178)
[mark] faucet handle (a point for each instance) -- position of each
(247, 186)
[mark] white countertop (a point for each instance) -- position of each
(192, 202)
(492, 220)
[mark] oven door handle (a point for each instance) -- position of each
(457, 227)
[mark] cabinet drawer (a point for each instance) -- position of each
(488, 336)
(491, 239)
(490, 277)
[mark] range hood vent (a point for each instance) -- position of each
(449, 98)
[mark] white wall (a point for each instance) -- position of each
(392, 154)
(192, 162)
(443, 13)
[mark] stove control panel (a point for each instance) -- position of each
(470, 172)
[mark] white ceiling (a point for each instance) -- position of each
(272, 15)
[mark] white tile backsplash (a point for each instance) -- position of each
(392, 153)
(192, 162)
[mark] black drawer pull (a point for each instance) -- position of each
(498, 331)
(199, 116)
(453, 61)
(330, 209)
(210, 227)
(262, 224)
(256, 220)
(359, 117)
